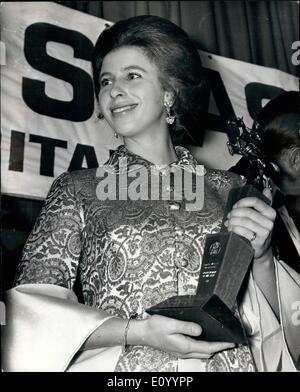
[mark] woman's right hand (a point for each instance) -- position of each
(173, 336)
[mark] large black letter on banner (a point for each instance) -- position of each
(219, 122)
(83, 151)
(47, 152)
(226, 111)
(256, 92)
(16, 156)
(82, 105)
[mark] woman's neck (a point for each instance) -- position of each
(159, 153)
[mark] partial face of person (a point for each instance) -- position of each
(288, 180)
(131, 97)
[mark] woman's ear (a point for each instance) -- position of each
(294, 158)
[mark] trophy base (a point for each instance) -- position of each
(217, 321)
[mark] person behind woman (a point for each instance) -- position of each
(130, 254)
(278, 124)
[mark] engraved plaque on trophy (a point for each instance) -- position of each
(226, 260)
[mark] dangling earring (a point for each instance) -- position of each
(116, 135)
(100, 116)
(169, 118)
(275, 167)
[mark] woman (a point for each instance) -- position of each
(132, 253)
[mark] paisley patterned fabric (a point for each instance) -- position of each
(129, 254)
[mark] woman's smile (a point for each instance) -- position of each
(123, 109)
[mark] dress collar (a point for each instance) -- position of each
(184, 158)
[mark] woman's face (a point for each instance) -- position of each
(131, 97)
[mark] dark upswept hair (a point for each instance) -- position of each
(174, 54)
(279, 123)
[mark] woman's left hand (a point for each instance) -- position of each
(253, 219)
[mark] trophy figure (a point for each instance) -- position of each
(226, 260)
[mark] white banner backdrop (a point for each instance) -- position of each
(31, 31)
(46, 79)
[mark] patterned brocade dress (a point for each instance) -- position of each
(129, 254)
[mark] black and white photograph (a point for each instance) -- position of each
(150, 189)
